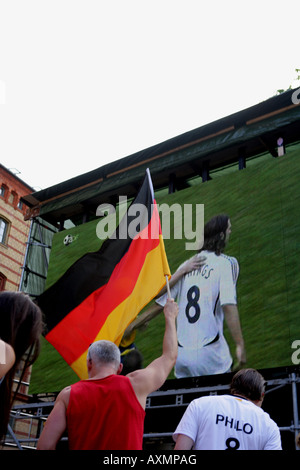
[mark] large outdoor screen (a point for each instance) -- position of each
(263, 203)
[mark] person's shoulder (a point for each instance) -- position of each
(64, 396)
(65, 391)
(230, 262)
(228, 259)
(205, 400)
(135, 375)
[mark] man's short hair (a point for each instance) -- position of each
(104, 352)
(249, 383)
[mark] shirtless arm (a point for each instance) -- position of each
(56, 422)
(183, 442)
(145, 381)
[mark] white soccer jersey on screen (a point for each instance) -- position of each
(199, 295)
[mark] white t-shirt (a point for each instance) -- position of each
(200, 295)
(228, 422)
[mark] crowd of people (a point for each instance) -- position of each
(93, 411)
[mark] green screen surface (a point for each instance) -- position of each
(263, 202)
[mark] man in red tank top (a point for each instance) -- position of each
(107, 411)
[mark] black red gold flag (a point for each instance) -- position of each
(103, 291)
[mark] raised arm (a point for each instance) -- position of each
(145, 381)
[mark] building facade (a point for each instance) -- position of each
(14, 229)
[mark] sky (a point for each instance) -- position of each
(87, 82)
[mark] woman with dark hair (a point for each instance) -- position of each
(21, 326)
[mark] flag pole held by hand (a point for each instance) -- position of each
(168, 287)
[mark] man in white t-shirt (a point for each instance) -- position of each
(230, 422)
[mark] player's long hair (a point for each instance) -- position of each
(21, 326)
(215, 234)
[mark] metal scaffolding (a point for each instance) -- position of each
(36, 260)
(164, 409)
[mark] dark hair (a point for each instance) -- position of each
(21, 326)
(132, 361)
(249, 383)
(214, 234)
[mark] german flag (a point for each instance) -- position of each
(103, 291)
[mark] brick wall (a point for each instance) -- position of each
(13, 244)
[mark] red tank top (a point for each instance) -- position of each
(105, 414)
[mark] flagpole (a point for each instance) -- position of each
(168, 287)
(152, 191)
(150, 182)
